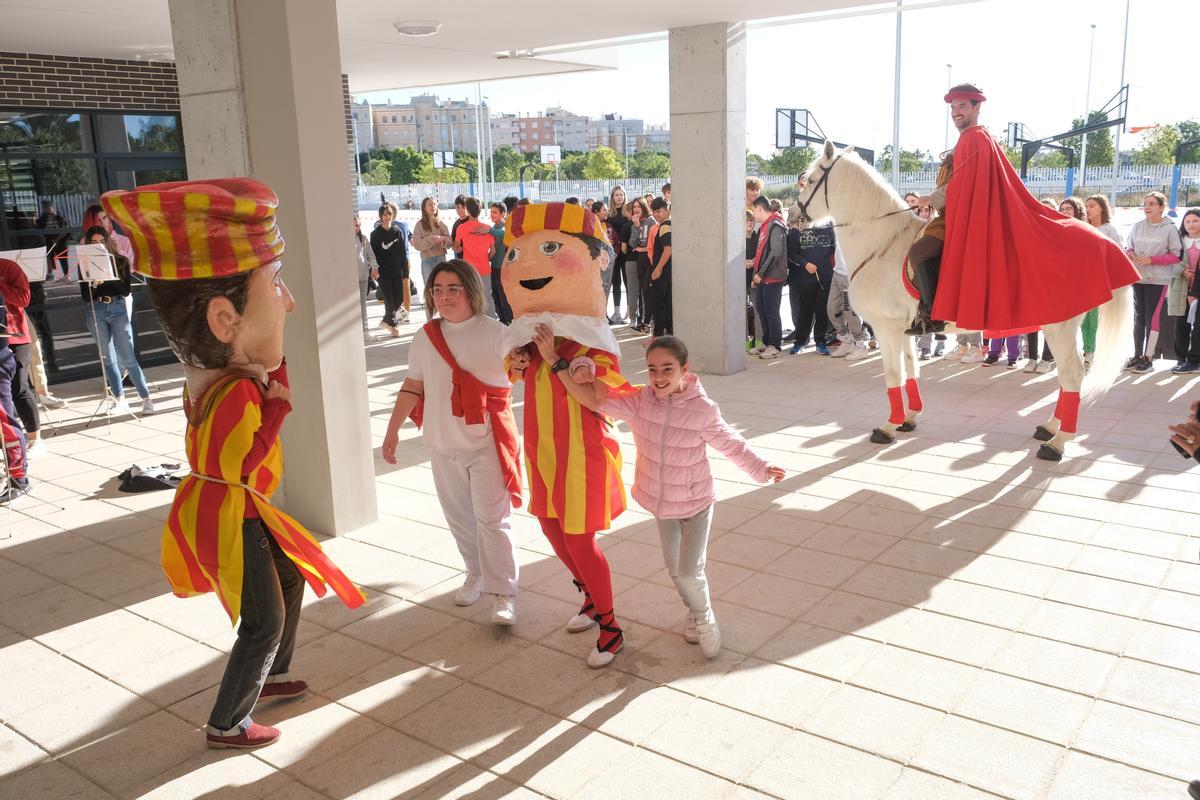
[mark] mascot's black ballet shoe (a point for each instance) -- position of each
(879, 437)
(1048, 453)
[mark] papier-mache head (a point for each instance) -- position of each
(555, 256)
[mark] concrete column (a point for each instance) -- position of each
(708, 174)
(261, 95)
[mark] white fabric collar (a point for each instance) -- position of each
(588, 331)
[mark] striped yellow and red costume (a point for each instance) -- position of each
(191, 230)
(571, 456)
(202, 540)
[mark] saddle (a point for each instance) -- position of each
(908, 277)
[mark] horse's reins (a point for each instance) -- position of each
(823, 182)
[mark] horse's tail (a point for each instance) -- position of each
(1113, 344)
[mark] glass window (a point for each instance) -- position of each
(393, 119)
(45, 131)
(45, 195)
(138, 133)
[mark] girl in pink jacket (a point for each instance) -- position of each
(673, 421)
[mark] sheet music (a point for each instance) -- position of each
(32, 261)
(91, 262)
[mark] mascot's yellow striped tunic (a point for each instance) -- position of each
(202, 542)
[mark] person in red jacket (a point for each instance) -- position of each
(14, 287)
(1010, 263)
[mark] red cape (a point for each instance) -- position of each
(1011, 263)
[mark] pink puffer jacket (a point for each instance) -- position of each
(672, 479)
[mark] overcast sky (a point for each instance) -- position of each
(1029, 56)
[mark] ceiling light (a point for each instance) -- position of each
(418, 27)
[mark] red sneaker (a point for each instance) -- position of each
(253, 737)
(282, 689)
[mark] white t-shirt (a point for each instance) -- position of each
(478, 346)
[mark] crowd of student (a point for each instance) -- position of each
(638, 269)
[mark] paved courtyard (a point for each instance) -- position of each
(944, 618)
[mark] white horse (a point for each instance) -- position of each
(876, 230)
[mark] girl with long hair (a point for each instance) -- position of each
(431, 237)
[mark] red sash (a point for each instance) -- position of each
(470, 398)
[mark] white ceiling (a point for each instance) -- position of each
(373, 54)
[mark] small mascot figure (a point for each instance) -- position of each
(551, 275)
(210, 251)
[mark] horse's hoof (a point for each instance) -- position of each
(907, 427)
(1042, 433)
(879, 437)
(1048, 453)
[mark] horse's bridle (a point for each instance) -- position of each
(822, 182)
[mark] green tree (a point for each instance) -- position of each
(790, 161)
(910, 160)
(407, 164)
(1099, 143)
(377, 173)
(571, 167)
(1157, 146)
(507, 162)
(1013, 154)
(448, 175)
(756, 164)
(649, 164)
(602, 163)
(1188, 130)
(1048, 158)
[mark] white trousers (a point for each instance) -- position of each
(470, 487)
(685, 548)
(845, 320)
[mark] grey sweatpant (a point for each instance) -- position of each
(685, 546)
(847, 324)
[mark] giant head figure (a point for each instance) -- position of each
(210, 251)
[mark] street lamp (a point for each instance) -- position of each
(946, 125)
(1087, 105)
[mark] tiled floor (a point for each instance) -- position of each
(943, 618)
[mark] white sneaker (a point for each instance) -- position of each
(858, 353)
(843, 350)
(147, 406)
(974, 355)
(504, 613)
(119, 407)
(37, 449)
(383, 325)
(50, 401)
(1031, 366)
(468, 594)
(690, 634)
(710, 638)
(402, 316)
(770, 353)
(1044, 366)
(956, 354)
(762, 348)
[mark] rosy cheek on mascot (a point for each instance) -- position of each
(551, 276)
(210, 251)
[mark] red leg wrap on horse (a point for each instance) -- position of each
(896, 401)
(914, 395)
(1067, 411)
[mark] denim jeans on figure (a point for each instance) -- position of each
(685, 547)
(115, 336)
(272, 590)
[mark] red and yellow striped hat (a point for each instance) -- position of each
(199, 229)
(552, 217)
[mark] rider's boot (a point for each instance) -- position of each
(926, 280)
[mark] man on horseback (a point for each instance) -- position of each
(1008, 263)
(926, 253)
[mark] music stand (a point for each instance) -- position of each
(92, 263)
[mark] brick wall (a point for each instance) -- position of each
(30, 80)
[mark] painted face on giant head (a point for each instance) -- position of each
(554, 261)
